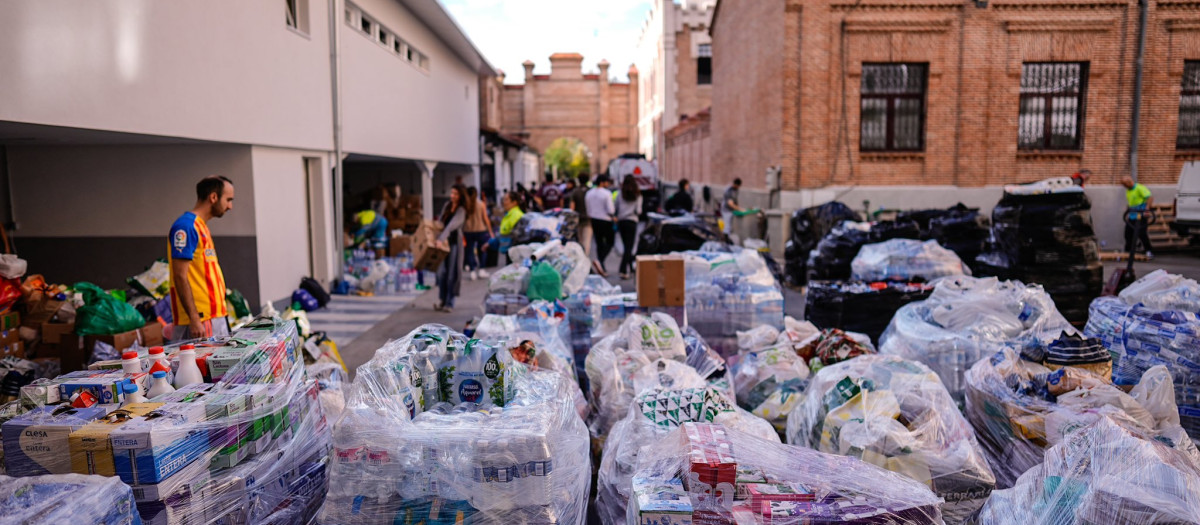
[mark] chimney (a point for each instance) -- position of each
(528, 70)
(603, 65)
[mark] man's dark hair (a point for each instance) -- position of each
(683, 183)
(210, 185)
(583, 179)
(550, 178)
(737, 181)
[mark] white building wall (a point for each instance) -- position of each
(392, 108)
(221, 70)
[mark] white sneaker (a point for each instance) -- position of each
(473, 275)
(483, 274)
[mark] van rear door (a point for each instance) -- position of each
(1187, 201)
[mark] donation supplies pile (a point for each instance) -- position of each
(1019, 407)
(439, 428)
(1110, 471)
(67, 498)
(905, 260)
(966, 319)
(538, 227)
(536, 342)
(773, 366)
(1042, 233)
(241, 437)
(895, 413)
(1154, 322)
(677, 234)
(859, 306)
(960, 229)
(832, 257)
(547, 271)
(669, 394)
(707, 473)
(729, 292)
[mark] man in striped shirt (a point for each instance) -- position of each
(197, 283)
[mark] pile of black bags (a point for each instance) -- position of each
(959, 229)
(688, 232)
(830, 260)
(860, 307)
(1047, 239)
(809, 226)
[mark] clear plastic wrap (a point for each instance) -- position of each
(896, 414)
(567, 258)
(966, 319)
(518, 455)
(533, 350)
(616, 359)
(250, 448)
(730, 292)
(1019, 407)
(655, 412)
(67, 498)
(1164, 291)
(905, 260)
(859, 306)
(1109, 471)
(511, 279)
(545, 226)
(706, 473)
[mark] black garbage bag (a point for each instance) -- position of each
(676, 234)
(809, 226)
(860, 307)
(831, 259)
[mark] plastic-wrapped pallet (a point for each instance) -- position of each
(250, 448)
(730, 292)
(1019, 407)
(966, 319)
(706, 473)
(831, 258)
(567, 258)
(67, 498)
(532, 350)
(581, 316)
(771, 372)
(511, 279)
(896, 414)
(905, 260)
(677, 398)
(499, 444)
(1109, 471)
(545, 226)
(1154, 321)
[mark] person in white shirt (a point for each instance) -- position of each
(601, 210)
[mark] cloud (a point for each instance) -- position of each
(508, 32)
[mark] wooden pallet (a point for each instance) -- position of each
(1161, 235)
(1113, 255)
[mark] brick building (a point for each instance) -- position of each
(674, 57)
(687, 148)
(958, 94)
(568, 103)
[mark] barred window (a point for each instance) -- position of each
(893, 107)
(1052, 105)
(1189, 107)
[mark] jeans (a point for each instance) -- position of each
(605, 238)
(628, 231)
(476, 245)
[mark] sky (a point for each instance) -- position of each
(509, 32)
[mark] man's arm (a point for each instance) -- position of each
(183, 287)
(732, 205)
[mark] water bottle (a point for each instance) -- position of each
(482, 494)
(537, 465)
(159, 384)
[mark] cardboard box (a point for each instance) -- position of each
(10, 320)
(36, 442)
(152, 334)
(15, 349)
(660, 280)
(91, 450)
(149, 449)
(428, 252)
(39, 312)
(53, 333)
(9, 336)
(399, 245)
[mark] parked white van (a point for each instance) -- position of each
(1187, 202)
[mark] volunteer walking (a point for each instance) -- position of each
(1139, 199)
(197, 283)
(729, 204)
(602, 212)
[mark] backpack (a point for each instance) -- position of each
(315, 289)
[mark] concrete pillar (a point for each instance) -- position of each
(427, 168)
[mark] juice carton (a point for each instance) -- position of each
(260, 400)
(187, 393)
(223, 359)
(37, 442)
(227, 436)
(149, 448)
(655, 501)
(91, 450)
(105, 385)
(190, 480)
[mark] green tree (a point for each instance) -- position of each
(569, 156)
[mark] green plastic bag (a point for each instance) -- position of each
(544, 283)
(241, 307)
(103, 314)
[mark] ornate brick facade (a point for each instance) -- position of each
(788, 74)
(568, 103)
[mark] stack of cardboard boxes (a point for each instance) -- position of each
(428, 251)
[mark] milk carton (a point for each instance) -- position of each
(656, 501)
(43, 392)
(223, 359)
(230, 425)
(260, 401)
(187, 394)
(38, 442)
(104, 385)
(149, 448)
(91, 449)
